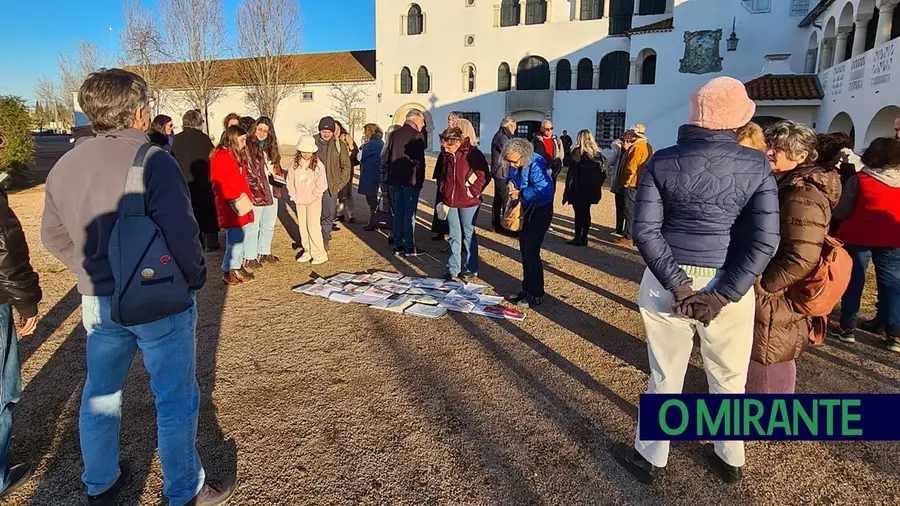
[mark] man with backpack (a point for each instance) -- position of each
(137, 284)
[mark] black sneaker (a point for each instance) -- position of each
(636, 465)
(534, 302)
(468, 276)
(872, 326)
(518, 299)
(728, 473)
(19, 474)
(398, 251)
(413, 252)
(844, 335)
(108, 498)
(335, 228)
(215, 492)
(448, 276)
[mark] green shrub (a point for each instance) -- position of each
(16, 143)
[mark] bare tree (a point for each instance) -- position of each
(308, 128)
(194, 32)
(73, 70)
(142, 48)
(346, 99)
(268, 31)
(47, 92)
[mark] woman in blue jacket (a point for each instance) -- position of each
(529, 181)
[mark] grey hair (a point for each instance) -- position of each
(506, 121)
(109, 99)
(520, 147)
(794, 138)
(413, 114)
(192, 119)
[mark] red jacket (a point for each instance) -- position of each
(875, 219)
(229, 181)
(463, 176)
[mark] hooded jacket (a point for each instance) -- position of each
(806, 197)
(463, 176)
(692, 195)
(19, 285)
(870, 209)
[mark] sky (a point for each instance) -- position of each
(45, 28)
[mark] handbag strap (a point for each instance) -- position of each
(134, 199)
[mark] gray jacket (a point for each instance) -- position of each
(82, 198)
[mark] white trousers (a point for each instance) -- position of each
(309, 219)
(725, 346)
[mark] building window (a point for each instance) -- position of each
(799, 8)
(509, 13)
(648, 71)
(533, 73)
(475, 119)
(535, 12)
(470, 3)
(585, 74)
(757, 6)
(610, 126)
(615, 68)
(563, 75)
(306, 96)
(406, 82)
(423, 80)
(415, 20)
(591, 9)
(469, 78)
(649, 7)
(620, 14)
(504, 77)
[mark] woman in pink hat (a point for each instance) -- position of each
(699, 278)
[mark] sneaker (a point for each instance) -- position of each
(247, 275)
(215, 492)
(335, 228)
(108, 498)
(252, 265)
(534, 302)
(893, 344)
(728, 473)
(448, 276)
(19, 474)
(268, 259)
(319, 261)
(625, 242)
(232, 278)
(872, 326)
(351, 219)
(636, 464)
(518, 299)
(398, 251)
(844, 335)
(575, 242)
(306, 257)
(413, 252)
(468, 276)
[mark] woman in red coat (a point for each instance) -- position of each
(233, 205)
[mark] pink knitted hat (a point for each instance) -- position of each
(721, 104)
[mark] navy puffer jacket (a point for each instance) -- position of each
(690, 198)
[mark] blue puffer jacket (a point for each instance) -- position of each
(690, 198)
(533, 181)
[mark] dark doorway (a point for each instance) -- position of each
(527, 129)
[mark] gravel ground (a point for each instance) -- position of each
(315, 402)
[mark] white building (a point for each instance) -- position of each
(602, 64)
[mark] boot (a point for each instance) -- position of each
(232, 278)
(19, 475)
(215, 493)
(108, 498)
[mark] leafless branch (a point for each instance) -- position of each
(346, 99)
(143, 48)
(268, 30)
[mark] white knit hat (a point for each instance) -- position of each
(307, 144)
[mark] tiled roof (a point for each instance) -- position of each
(815, 13)
(344, 66)
(664, 25)
(784, 87)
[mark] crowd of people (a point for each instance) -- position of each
(733, 222)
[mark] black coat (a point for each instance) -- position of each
(584, 180)
(18, 282)
(191, 148)
(406, 157)
(499, 167)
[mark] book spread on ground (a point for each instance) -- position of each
(489, 300)
(457, 304)
(342, 278)
(388, 275)
(342, 297)
(474, 288)
(394, 305)
(464, 294)
(372, 295)
(499, 312)
(426, 311)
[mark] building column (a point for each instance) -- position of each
(810, 65)
(521, 12)
(840, 45)
(635, 72)
(670, 6)
(885, 19)
(595, 77)
(577, 10)
(859, 38)
(637, 7)
(606, 8)
(826, 55)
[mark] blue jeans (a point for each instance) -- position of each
(170, 353)
(235, 238)
(887, 276)
(462, 234)
(10, 387)
(259, 238)
(406, 201)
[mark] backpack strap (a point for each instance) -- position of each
(134, 199)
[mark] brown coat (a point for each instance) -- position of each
(806, 197)
(633, 163)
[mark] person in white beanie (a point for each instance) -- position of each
(699, 277)
(306, 182)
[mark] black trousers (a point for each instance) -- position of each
(582, 221)
(500, 194)
(537, 222)
(620, 212)
(629, 195)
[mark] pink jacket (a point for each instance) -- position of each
(306, 186)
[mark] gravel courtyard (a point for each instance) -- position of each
(319, 403)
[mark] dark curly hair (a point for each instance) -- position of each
(883, 152)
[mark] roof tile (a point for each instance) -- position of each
(784, 87)
(664, 25)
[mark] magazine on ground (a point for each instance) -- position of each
(388, 275)
(499, 312)
(474, 288)
(432, 283)
(426, 311)
(489, 300)
(426, 299)
(342, 278)
(458, 304)
(396, 304)
(342, 297)
(465, 294)
(371, 296)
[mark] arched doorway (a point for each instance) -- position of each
(882, 125)
(533, 73)
(528, 123)
(400, 118)
(843, 123)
